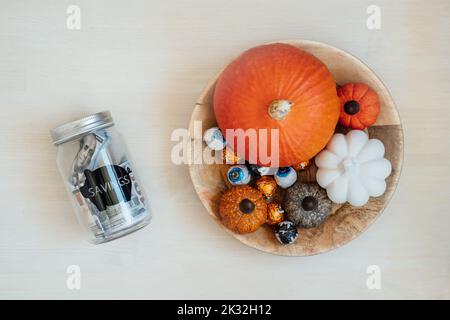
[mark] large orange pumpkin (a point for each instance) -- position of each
(278, 86)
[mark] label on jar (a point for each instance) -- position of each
(107, 186)
(108, 195)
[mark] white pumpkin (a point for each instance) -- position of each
(352, 168)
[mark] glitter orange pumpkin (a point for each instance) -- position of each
(243, 209)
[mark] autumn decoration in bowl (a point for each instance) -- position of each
(311, 144)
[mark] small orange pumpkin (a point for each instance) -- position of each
(278, 86)
(359, 105)
(243, 209)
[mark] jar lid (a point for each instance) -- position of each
(74, 129)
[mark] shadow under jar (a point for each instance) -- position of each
(102, 183)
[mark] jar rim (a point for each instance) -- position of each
(71, 130)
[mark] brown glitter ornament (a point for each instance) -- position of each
(275, 213)
(267, 185)
(229, 157)
(307, 205)
(243, 209)
(302, 165)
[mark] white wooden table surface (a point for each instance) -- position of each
(147, 61)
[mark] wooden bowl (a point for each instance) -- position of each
(346, 222)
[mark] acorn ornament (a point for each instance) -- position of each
(285, 177)
(286, 232)
(214, 139)
(267, 185)
(275, 213)
(302, 165)
(238, 175)
(229, 157)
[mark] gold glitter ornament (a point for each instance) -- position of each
(229, 157)
(267, 185)
(275, 213)
(302, 165)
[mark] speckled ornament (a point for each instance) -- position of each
(286, 232)
(243, 209)
(267, 185)
(307, 205)
(275, 213)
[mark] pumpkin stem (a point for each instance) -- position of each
(279, 109)
(351, 107)
(350, 166)
(309, 203)
(247, 206)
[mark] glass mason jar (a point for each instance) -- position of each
(101, 181)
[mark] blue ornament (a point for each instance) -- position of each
(285, 177)
(239, 175)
